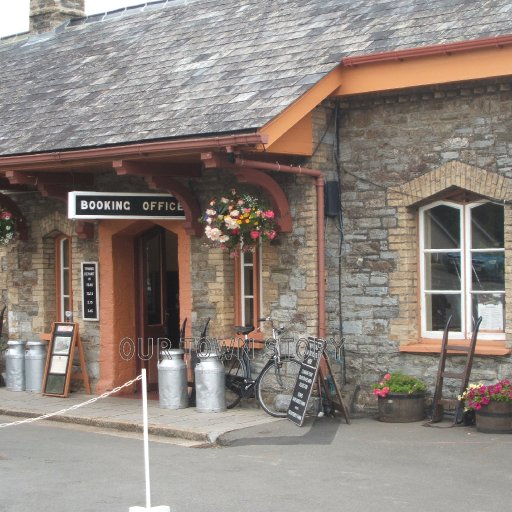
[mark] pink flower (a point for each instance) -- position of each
(387, 376)
(269, 214)
(255, 235)
(270, 234)
(6, 215)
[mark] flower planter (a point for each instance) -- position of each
(401, 407)
(495, 418)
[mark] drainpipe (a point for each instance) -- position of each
(320, 183)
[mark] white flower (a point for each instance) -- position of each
(234, 213)
(230, 222)
(210, 212)
(223, 239)
(215, 234)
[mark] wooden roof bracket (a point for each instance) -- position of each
(159, 176)
(272, 188)
(252, 176)
(184, 196)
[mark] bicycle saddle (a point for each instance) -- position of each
(244, 329)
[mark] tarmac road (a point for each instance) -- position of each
(326, 465)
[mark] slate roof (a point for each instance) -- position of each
(195, 67)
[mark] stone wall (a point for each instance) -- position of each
(288, 263)
(394, 147)
(28, 275)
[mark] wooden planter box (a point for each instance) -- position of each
(402, 407)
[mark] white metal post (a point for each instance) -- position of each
(162, 508)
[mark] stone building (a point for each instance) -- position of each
(384, 148)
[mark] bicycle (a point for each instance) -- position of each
(274, 385)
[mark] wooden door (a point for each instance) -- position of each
(152, 303)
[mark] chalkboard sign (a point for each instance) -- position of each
(90, 309)
(59, 359)
(305, 380)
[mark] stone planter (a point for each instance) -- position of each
(401, 407)
(495, 418)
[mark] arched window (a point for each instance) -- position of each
(462, 262)
(64, 291)
(248, 287)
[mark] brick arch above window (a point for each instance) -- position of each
(403, 240)
(52, 225)
(453, 174)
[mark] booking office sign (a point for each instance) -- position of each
(120, 205)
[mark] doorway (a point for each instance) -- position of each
(157, 304)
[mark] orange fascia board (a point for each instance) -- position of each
(416, 71)
(282, 123)
(298, 140)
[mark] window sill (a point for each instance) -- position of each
(491, 348)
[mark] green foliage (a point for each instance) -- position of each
(398, 383)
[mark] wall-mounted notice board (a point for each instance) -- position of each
(90, 290)
(59, 359)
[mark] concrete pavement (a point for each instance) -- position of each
(126, 414)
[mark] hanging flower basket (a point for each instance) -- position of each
(7, 227)
(238, 222)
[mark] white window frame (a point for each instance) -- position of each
(62, 272)
(466, 290)
(256, 296)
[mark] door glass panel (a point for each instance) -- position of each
(442, 271)
(491, 307)
(488, 270)
(487, 226)
(152, 280)
(439, 307)
(442, 228)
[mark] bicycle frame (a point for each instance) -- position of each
(245, 360)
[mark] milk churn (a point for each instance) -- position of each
(35, 360)
(172, 380)
(15, 366)
(210, 384)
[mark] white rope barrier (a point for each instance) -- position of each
(73, 407)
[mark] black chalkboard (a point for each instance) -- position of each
(59, 359)
(90, 291)
(305, 380)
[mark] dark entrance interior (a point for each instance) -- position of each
(158, 308)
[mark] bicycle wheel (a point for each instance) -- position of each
(235, 379)
(275, 385)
